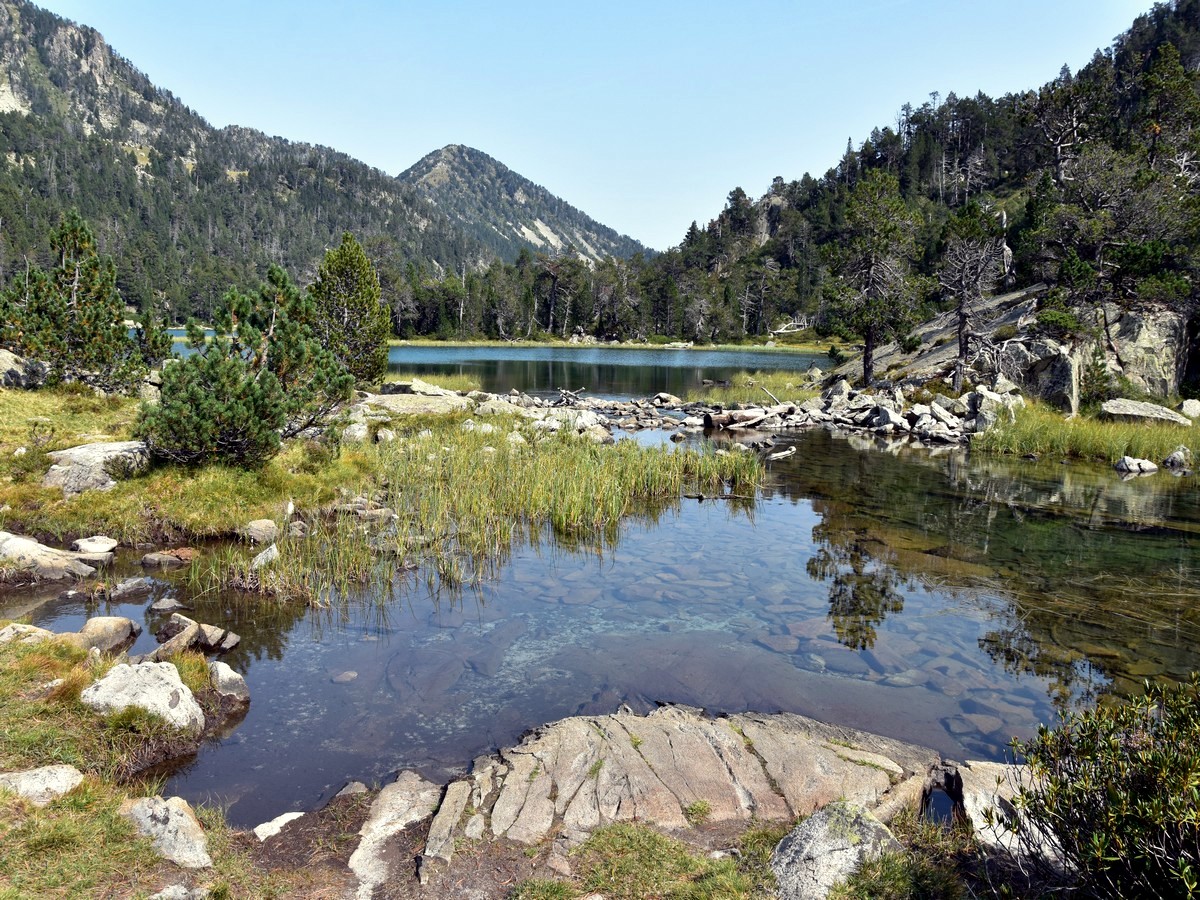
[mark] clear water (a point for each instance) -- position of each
(933, 597)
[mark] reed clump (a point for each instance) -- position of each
(1041, 431)
(453, 381)
(753, 388)
(453, 502)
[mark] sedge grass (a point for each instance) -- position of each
(753, 387)
(1041, 431)
(455, 501)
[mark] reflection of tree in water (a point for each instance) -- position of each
(862, 591)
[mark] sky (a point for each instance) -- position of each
(645, 115)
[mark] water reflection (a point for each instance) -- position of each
(933, 597)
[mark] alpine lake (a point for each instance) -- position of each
(932, 595)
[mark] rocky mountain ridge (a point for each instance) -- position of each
(506, 212)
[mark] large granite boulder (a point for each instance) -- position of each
(826, 848)
(95, 467)
(153, 686)
(1045, 369)
(1151, 346)
(39, 562)
(1122, 410)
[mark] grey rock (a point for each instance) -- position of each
(1151, 345)
(215, 639)
(153, 686)
(40, 562)
(406, 801)
(105, 633)
(954, 405)
(1001, 385)
(1190, 408)
(272, 828)
(44, 785)
(355, 433)
(23, 634)
(92, 467)
(181, 892)
(826, 848)
(162, 560)
(385, 436)
(228, 683)
(131, 588)
(18, 372)
(662, 398)
(260, 531)
(1179, 458)
(440, 843)
(1122, 410)
(1045, 369)
(353, 787)
(839, 392)
(885, 416)
(172, 827)
(265, 558)
(167, 605)
(1134, 466)
(96, 544)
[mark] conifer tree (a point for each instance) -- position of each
(261, 377)
(72, 317)
(349, 318)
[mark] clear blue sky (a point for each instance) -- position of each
(644, 115)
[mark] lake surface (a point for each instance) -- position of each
(931, 596)
(605, 372)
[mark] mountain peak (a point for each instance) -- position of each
(506, 211)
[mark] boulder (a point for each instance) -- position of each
(18, 372)
(23, 634)
(1132, 466)
(662, 398)
(385, 436)
(96, 544)
(162, 560)
(172, 827)
(260, 531)
(1122, 410)
(1045, 369)
(265, 558)
(885, 416)
(839, 392)
(167, 605)
(406, 801)
(1190, 408)
(1151, 346)
(826, 848)
(39, 562)
(41, 786)
(95, 467)
(107, 634)
(131, 588)
(1179, 458)
(355, 433)
(272, 828)
(228, 683)
(153, 686)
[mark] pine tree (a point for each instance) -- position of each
(72, 317)
(263, 376)
(349, 317)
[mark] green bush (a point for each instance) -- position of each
(1005, 333)
(1116, 792)
(1058, 323)
(262, 376)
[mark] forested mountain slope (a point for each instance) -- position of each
(187, 209)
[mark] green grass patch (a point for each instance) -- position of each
(1039, 430)
(752, 388)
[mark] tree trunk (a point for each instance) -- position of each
(868, 356)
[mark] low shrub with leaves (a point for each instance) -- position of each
(1115, 793)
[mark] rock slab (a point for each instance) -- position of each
(407, 800)
(1139, 411)
(39, 561)
(826, 848)
(172, 827)
(90, 467)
